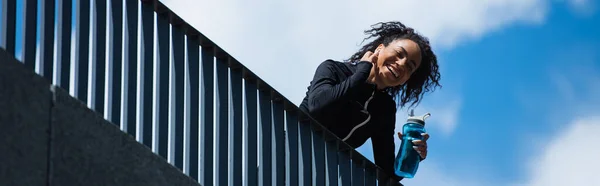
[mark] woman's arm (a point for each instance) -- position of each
(383, 139)
(325, 89)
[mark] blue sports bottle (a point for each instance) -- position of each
(407, 159)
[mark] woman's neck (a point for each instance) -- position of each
(373, 79)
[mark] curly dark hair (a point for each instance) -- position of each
(425, 79)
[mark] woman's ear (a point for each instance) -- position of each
(380, 48)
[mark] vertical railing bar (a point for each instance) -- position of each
(63, 53)
(99, 56)
(146, 81)
(29, 37)
(108, 86)
(370, 174)
(186, 107)
(266, 161)
(178, 64)
(332, 162)
(82, 41)
(222, 123)
(178, 60)
(318, 155)
(236, 123)
(9, 25)
(163, 27)
(230, 115)
(278, 127)
(171, 108)
(116, 60)
(358, 171)
(306, 149)
(251, 134)
(292, 136)
(194, 75)
(130, 55)
(286, 150)
(63, 43)
(345, 172)
(207, 122)
(47, 39)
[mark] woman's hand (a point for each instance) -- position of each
(420, 145)
(371, 57)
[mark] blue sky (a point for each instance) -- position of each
(511, 97)
(519, 103)
(521, 86)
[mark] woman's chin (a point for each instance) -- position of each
(389, 80)
(392, 82)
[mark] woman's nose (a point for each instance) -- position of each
(401, 62)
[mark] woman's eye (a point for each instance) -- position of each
(412, 66)
(399, 54)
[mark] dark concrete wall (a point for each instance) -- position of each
(24, 121)
(49, 138)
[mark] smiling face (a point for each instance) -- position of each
(397, 62)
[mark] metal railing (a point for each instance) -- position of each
(173, 89)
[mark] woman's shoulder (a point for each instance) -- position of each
(330, 63)
(332, 67)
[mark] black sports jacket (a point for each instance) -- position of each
(340, 98)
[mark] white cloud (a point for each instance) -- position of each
(430, 173)
(571, 157)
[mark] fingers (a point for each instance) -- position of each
(370, 56)
(374, 56)
(421, 147)
(367, 56)
(421, 150)
(425, 136)
(419, 142)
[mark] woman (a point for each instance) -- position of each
(357, 99)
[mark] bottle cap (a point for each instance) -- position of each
(417, 119)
